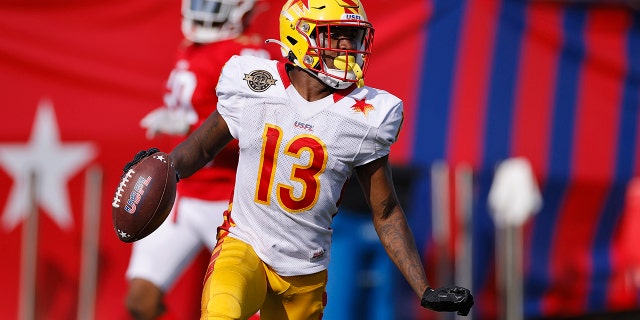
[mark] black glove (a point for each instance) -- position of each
(448, 299)
(137, 158)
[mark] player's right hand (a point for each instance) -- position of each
(168, 121)
(448, 299)
(137, 158)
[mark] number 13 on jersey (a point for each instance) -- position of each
(308, 175)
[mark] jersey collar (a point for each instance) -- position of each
(286, 82)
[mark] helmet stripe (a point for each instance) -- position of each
(350, 6)
(350, 3)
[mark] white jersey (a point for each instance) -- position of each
(295, 158)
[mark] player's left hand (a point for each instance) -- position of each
(448, 299)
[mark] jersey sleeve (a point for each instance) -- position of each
(230, 95)
(390, 128)
(387, 132)
(379, 142)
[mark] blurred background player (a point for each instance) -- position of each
(214, 31)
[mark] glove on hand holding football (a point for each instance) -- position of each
(138, 157)
(448, 299)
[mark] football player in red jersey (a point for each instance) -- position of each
(303, 127)
(214, 31)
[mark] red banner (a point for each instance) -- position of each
(76, 77)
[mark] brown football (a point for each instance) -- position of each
(144, 197)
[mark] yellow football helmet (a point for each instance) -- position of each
(307, 28)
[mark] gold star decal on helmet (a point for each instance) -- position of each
(362, 106)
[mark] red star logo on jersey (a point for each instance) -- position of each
(362, 106)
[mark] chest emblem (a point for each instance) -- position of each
(362, 106)
(259, 80)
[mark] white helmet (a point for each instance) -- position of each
(205, 21)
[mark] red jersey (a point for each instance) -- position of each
(192, 87)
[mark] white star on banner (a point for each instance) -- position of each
(53, 162)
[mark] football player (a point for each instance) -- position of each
(214, 31)
(303, 127)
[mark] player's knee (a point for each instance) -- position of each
(226, 299)
(144, 300)
(222, 305)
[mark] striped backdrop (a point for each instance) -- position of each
(559, 84)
